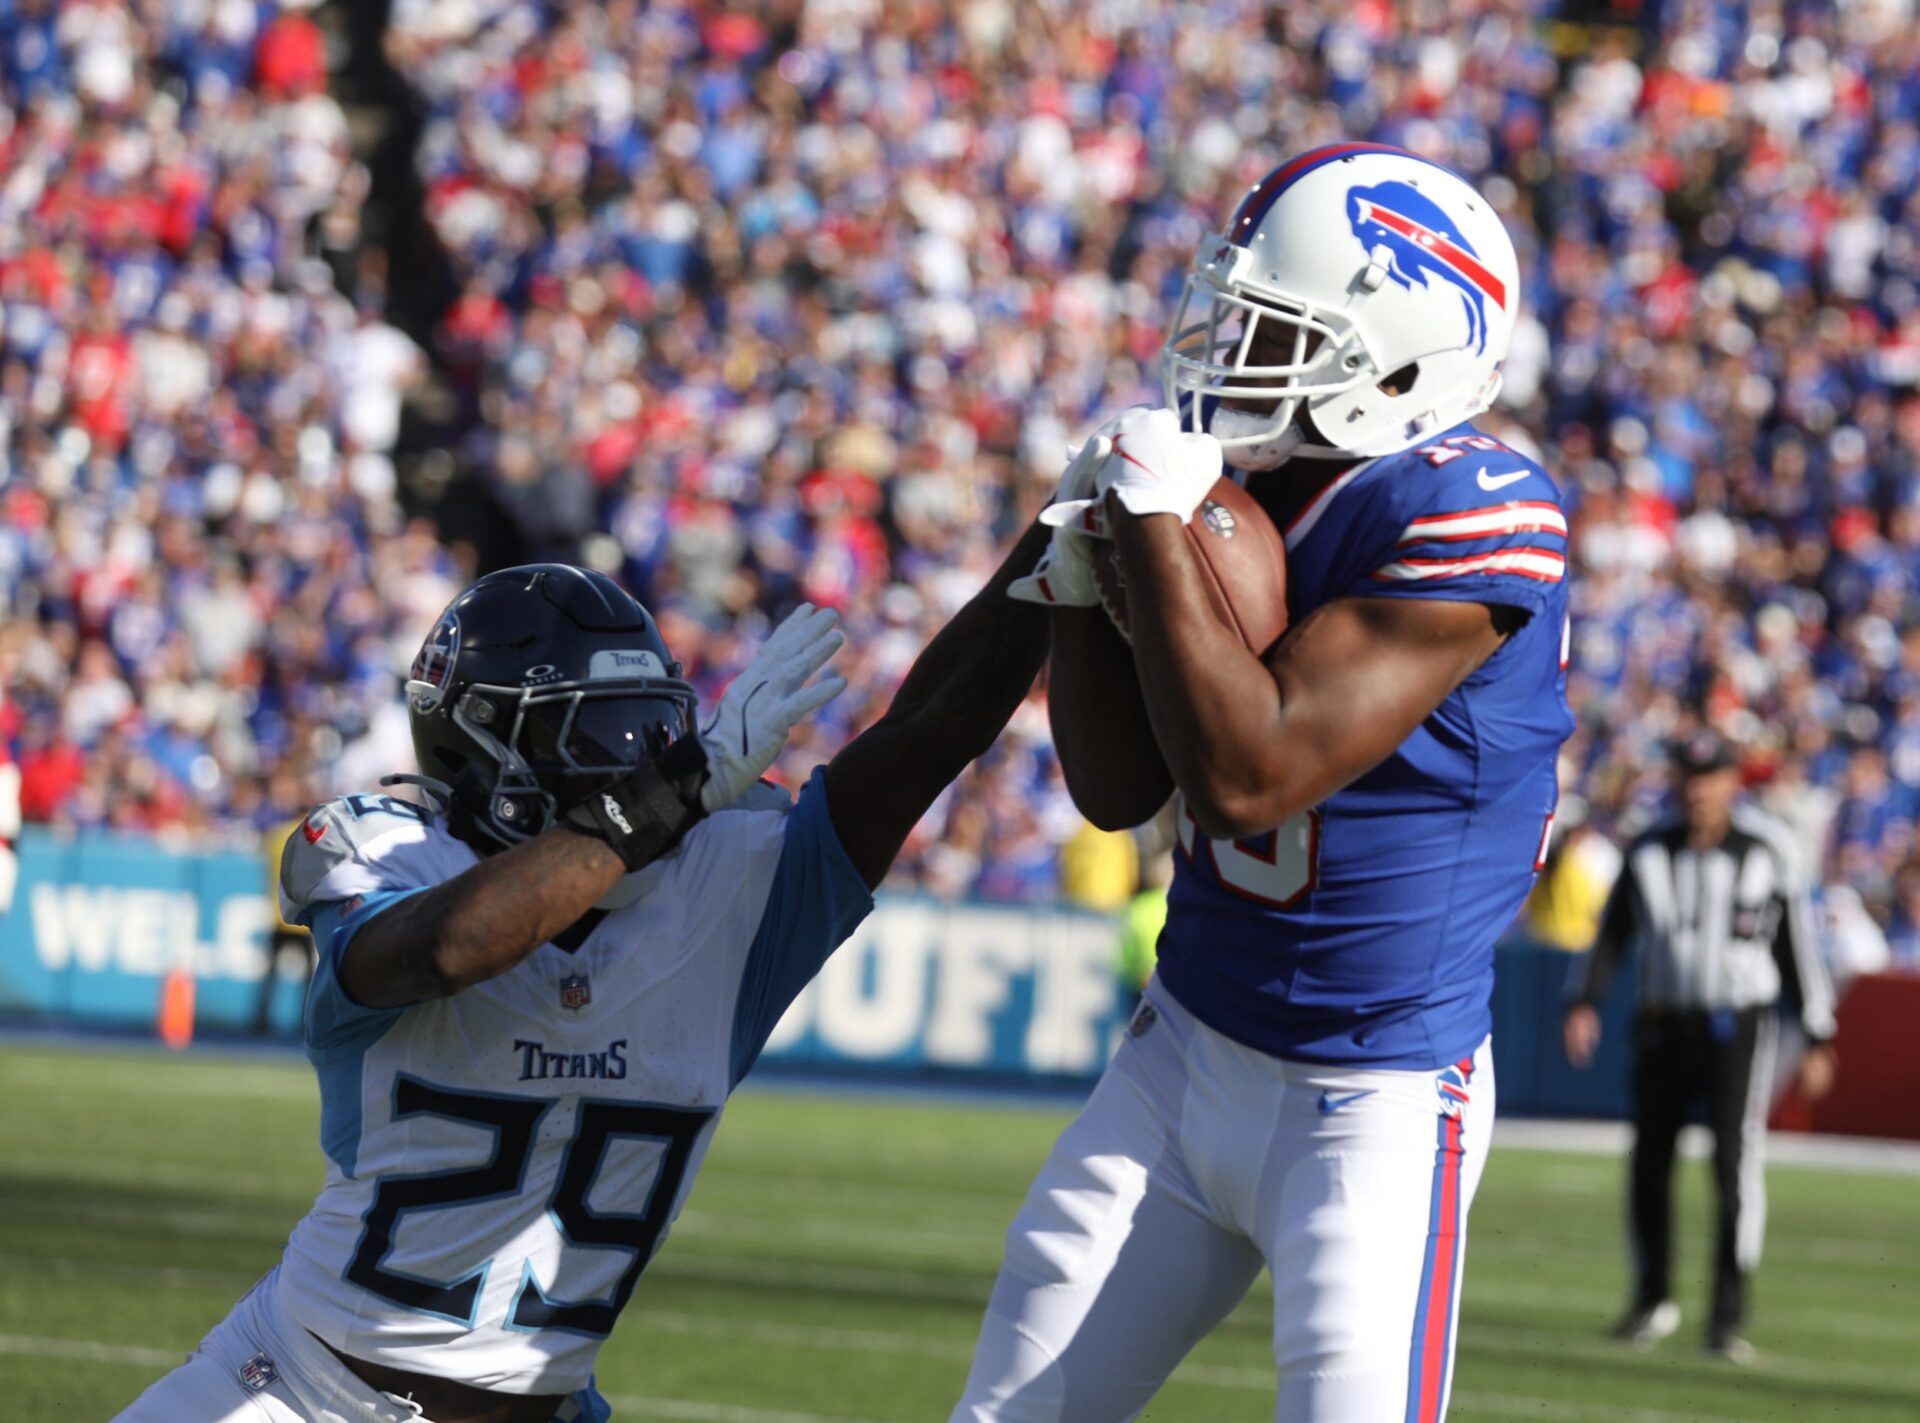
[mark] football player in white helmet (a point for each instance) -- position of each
(1308, 1083)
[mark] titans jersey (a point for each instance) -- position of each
(503, 1163)
(1362, 931)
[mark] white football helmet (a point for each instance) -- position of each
(1367, 262)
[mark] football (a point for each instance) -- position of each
(1243, 559)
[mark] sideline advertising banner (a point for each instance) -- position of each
(98, 921)
(998, 994)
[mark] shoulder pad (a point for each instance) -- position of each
(340, 833)
(1473, 471)
(1468, 515)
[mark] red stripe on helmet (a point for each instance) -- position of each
(1448, 251)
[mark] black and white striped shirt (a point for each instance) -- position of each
(1724, 928)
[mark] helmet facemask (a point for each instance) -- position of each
(553, 745)
(1209, 370)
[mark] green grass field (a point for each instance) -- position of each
(836, 1251)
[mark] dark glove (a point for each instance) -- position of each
(642, 815)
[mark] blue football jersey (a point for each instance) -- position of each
(1362, 931)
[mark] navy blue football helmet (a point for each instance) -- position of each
(536, 686)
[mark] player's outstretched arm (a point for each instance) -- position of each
(1251, 744)
(1101, 730)
(955, 700)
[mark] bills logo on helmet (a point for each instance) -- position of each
(1423, 241)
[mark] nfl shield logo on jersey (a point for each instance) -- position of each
(575, 991)
(257, 1373)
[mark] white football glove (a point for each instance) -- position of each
(1063, 578)
(1155, 468)
(767, 700)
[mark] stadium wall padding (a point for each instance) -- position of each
(925, 988)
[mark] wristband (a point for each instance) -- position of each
(644, 814)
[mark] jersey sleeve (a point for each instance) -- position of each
(334, 1022)
(816, 901)
(344, 864)
(1482, 526)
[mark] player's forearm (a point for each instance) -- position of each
(480, 923)
(954, 702)
(1100, 724)
(967, 682)
(1216, 711)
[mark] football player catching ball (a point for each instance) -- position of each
(1307, 1084)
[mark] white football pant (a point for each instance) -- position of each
(1197, 1160)
(254, 1367)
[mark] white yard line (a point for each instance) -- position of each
(1784, 1148)
(90, 1351)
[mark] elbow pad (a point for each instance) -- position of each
(644, 814)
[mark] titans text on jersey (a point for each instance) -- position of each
(1361, 932)
(502, 1163)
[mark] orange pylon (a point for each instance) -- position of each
(175, 1020)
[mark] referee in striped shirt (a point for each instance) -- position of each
(1711, 905)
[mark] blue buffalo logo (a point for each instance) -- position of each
(1424, 244)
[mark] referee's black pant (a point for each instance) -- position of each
(1725, 1058)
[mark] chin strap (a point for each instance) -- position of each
(439, 792)
(1270, 453)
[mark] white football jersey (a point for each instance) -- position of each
(503, 1163)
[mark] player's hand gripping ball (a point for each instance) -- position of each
(1243, 561)
(1152, 466)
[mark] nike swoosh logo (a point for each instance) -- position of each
(1491, 482)
(1130, 459)
(1329, 1104)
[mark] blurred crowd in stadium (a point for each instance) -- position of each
(807, 299)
